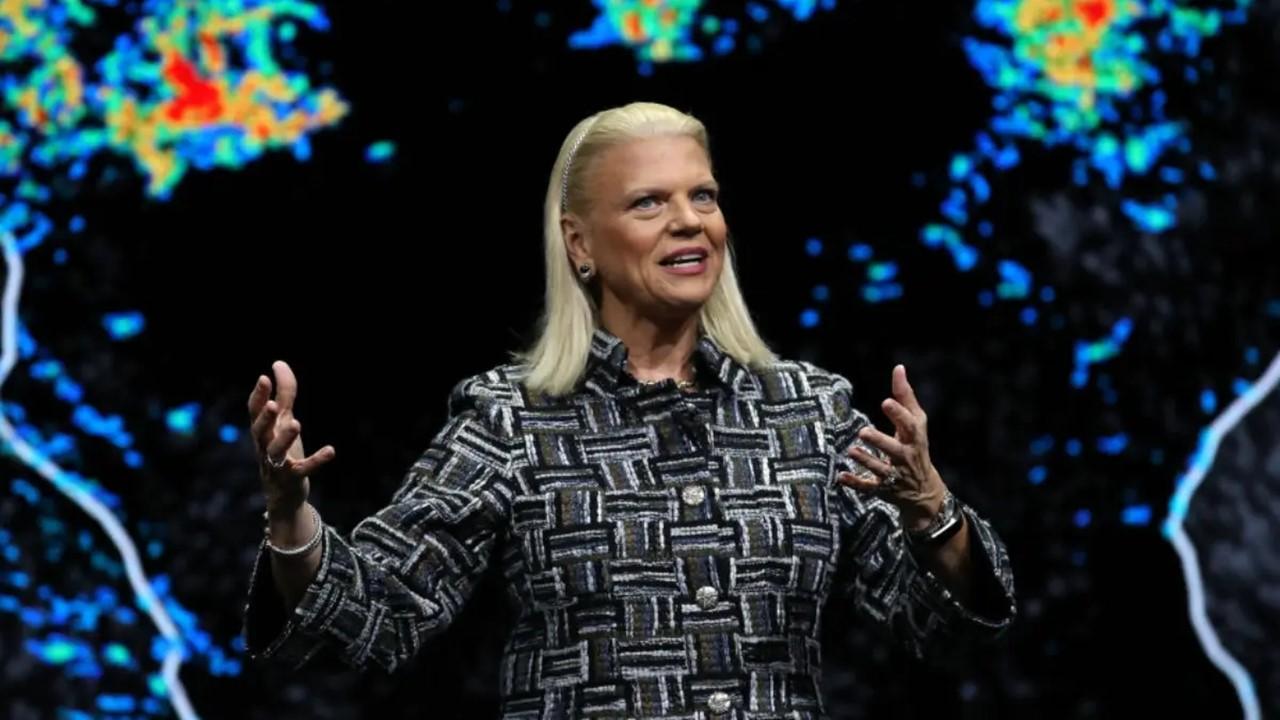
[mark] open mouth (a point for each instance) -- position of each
(684, 258)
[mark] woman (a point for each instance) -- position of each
(674, 505)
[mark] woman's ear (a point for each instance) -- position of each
(575, 239)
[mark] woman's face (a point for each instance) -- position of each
(653, 229)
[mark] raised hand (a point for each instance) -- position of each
(284, 468)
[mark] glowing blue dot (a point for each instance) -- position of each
(881, 292)
(287, 32)
(1083, 517)
(117, 654)
(985, 229)
(229, 433)
(60, 256)
(860, 252)
(156, 684)
(133, 459)
(1251, 355)
(123, 325)
(77, 224)
(813, 247)
(1136, 515)
(1113, 444)
(67, 389)
(183, 419)
(115, 703)
(1029, 316)
(380, 152)
(882, 271)
(26, 490)
(1240, 386)
(46, 369)
(986, 298)
(58, 652)
(821, 293)
(1047, 294)
(1037, 475)
(809, 318)
(1208, 401)
(1073, 447)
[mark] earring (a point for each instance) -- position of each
(585, 271)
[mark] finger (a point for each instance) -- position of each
(283, 439)
(258, 398)
(903, 391)
(263, 427)
(891, 447)
(317, 460)
(871, 462)
(858, 483)
(902, 419)
(286, 386)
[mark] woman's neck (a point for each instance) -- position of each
(656, 351)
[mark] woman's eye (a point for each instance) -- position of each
(705, 196)
(647, 202)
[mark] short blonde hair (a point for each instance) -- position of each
(558, 358)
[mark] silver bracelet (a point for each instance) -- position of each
(946, 523)
(304, 549)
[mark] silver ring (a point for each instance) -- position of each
(277, 464)
(891, 480)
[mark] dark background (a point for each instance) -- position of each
(383, 285)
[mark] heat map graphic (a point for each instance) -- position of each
(187, 86)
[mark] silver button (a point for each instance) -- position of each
(707, 597)
(693, 494)
(718, 702)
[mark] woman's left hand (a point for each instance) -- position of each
(905, 475)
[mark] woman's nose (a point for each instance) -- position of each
(685, 220)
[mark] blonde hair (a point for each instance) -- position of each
(559, 356)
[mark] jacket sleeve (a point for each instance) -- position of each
(881, 577)
(403, 573)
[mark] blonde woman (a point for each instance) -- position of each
(676, 505)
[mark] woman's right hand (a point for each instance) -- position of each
(278, 434)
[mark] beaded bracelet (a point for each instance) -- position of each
(304, 549)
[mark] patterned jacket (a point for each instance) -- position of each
(668, 553)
